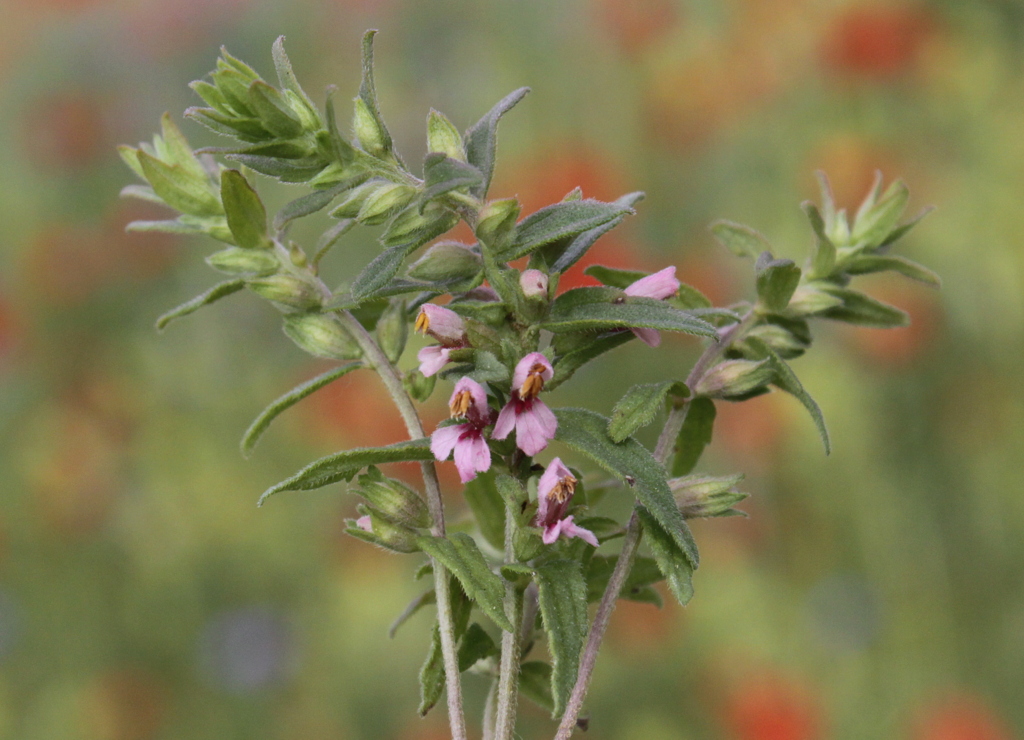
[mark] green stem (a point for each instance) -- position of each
(634, 532)
(392, 381)
(508, 676)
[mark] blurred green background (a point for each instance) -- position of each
(878, 593)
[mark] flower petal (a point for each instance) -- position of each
(554, 472)
(432, 359)
(660, 285)
(535, 427)
(506, 421)
(444, 439)
(569, 529)
(650, 337)
(472, 455)
(444, 325)
(526, 364)
(479, 411)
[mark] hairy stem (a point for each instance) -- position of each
(490, 706)
(627, 556)
(392, 381)
(508, 676)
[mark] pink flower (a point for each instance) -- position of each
(660, 285)
(472, 455)
(554, 492)
(534, 422)
(445, 326)
(363, 523)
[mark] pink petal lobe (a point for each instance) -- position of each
(432, 359)
(554, 472)
(660, 285)
(472, 455)
(526, 364)
(444, 325)
(535, 427)
(444, 439)
(363, 523)
(569, 529)
(479, 411)
(650, 337)
(551, 533)
(506, 421)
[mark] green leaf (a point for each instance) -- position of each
(488, 508)
(868, 263)
(787, 380)
(566, 365)
(899, 231)
(630, 462)
(876, 220)
(179, 187)
(274, 111)
(741, 240)
(432, 678)
(609, 308)
(482, 137)
(380, 271)
(247, 218)
(694, 435)
(640, 406)
(823, 260)
(562, 594)
(535, 684)
(213, 294)
(863, 310)
(776, 281)
(344, 465)
(309, 204)
(560, 221)
(460, 554)
(475, 646)
(484, 368)
(289, 399)
(674, 562)
(442, 174)
(614, 277)
(561, 258)
(424, 599)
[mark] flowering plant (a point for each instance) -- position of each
(506, 338)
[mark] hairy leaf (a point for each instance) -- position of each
(869, 263)
(567, 364)
(309, 204)
(460, 554)
(563, 256)
(640, 406)
(212, 295)
(482, 137)
(674, 562)
(289, 399)
(344, 465)
(694, 435)
(741, 240)
(561, 220)
(442, 174)
(863, 310)
(535, 684)
(475, 646)
(609, 308)
(630, 462)
(562, 595)
(488, 508)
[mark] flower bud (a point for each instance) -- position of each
(497, 222)
(384, 201)
(237, 261)
(288, 291)
(393, 329)
(734, 378)
(782, 340)
(419, 386)
(322, 336)
(368, 132)
(393, 499)
(430, 223)
(534, 284)
(446, 261)
(442, 136)
(707, 496)
(354, 199)
(372, 526)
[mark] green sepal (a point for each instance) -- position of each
(179, 187)
(273, 110)
(459, 553)
(560, 221)
(286, 76)
(212, 226)
(238, 261)
(344, 465)
(609, 308)
(823, 259)
(482, 137)
(247, 218)
(443, 137)
(630, 462)
(640, 405)
(562, 593)
(535, 684)
(694, 435)
(734, 379)
(674, 562)
(741, 240)
(283, 403)
(488, 509)
(777, 279)
(321, 335)
(212, 295)
(878, 214)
